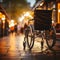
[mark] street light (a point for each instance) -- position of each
(11, 23)
(41, 3)
(27, 14)
(25, 17)
(59, 10)
(3, 18)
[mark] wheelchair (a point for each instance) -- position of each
(40, 28)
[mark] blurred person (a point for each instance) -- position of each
(12, 29)
(25, 26)
(15, 27)
(18, 28)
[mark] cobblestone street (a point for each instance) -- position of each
(11, 48)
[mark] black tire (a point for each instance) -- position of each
(30, 38)
(30, 41)
(50, 38)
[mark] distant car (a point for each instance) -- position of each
(58, 30)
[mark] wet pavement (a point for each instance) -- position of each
(11, 48)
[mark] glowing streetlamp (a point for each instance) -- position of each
(21, 18)
(59, 10)
(27, 14)
(11, 23)
(41, 3)
(3, 18)
(25, 17)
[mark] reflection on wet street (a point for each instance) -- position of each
(11, 45)
(11, 48)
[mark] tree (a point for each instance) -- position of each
(16, 7)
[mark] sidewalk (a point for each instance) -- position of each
(11, 50)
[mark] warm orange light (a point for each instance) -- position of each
(2, 16)
(27, 14)
(11, 23)
(58, 12)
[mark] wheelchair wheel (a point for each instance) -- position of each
(30, 41)
(50, 38)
